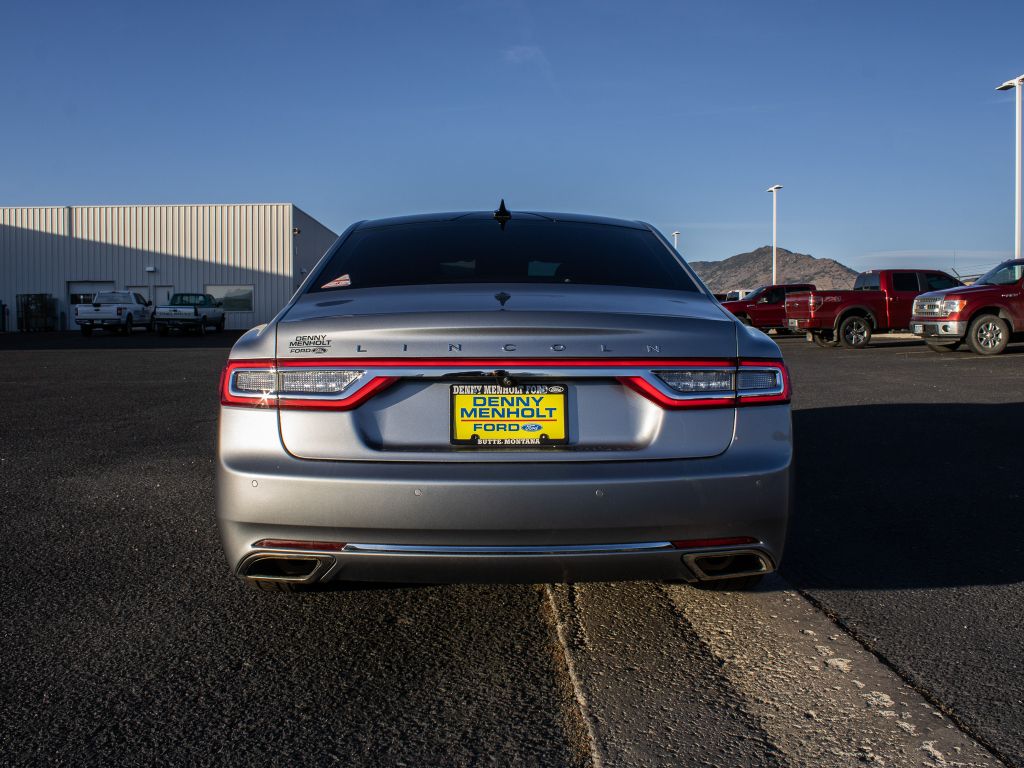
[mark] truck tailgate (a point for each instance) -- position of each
(798, 305)
(168, 312)
(98, 311)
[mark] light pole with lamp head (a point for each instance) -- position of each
(1018, 83)
(775, 221)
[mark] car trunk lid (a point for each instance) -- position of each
(431, 340)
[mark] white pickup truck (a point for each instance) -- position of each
(114, 310)
(197, 311)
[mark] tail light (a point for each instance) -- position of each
(262, 384)
(339, 385)
(815, 302)
(715, 385)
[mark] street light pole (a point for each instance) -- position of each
(775, 231)
(1018, 84)
(675, 239)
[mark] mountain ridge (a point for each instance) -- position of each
(749, 270)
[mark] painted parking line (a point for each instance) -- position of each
(671, 675)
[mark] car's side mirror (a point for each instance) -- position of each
(149, 302)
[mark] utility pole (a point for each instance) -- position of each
(1018, 84)
(775, 231)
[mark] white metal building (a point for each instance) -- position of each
(250, 256)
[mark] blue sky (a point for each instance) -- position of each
(879, 118)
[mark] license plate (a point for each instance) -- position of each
(490, 415)
(918, 328)
(792, 323)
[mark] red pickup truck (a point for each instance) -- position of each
(765, 308)
(984, 314)
(881, 300)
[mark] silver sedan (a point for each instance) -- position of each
(503, 396)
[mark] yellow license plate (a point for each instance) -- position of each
(489, 415)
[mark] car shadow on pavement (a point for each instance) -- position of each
(906, 497)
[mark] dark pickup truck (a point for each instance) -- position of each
(984, 314)
(765, 308)
(881, 300)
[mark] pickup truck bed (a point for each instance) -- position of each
(114, 310)
(189, 311)
(765, 308)
(880, 301)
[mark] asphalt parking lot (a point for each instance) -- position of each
(125, 640)
(907, 525)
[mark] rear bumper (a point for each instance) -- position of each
(100, 323)
(933, 328)
(178, 322)
(539, 521)
(414, 564)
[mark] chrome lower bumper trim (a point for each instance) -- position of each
(539, 549)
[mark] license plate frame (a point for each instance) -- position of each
(538, 429)
(918, 328)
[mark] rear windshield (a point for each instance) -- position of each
(187, 299)
(867, 281)
(113, 298)
(480, 251)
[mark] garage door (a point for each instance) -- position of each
(82, 292)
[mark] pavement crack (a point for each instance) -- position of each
(580, 698)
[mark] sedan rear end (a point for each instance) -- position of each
(537, 397)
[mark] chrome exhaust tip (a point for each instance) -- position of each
(728, 564)
(285, 567)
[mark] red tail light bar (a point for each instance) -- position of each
(344, 384)
(315, 546)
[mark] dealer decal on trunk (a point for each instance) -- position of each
(315, 345)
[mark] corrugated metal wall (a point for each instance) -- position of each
(190, 247)
(312, 242)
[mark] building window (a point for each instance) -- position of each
(236, 298)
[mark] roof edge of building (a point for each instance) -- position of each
(139, 205)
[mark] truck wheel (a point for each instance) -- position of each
(162, 329)
(202, 326)
(128, 326)
(943, 347)
(220, 324)
(855, 332)
(739, 584)
(822, 340)
(988, 335)
(86, 330)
